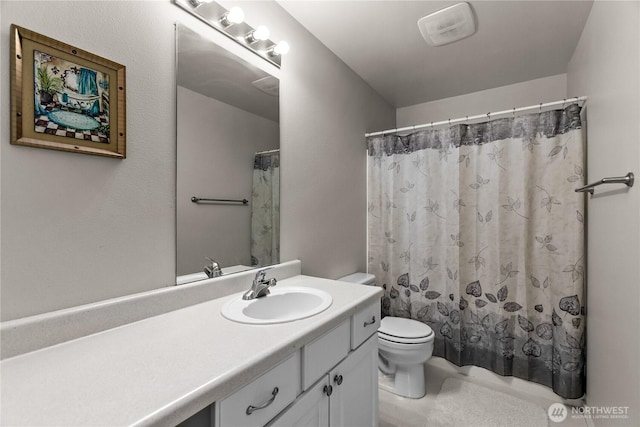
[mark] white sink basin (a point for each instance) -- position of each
(280, 306)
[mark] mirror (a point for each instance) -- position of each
(227, 161)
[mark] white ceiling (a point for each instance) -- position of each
(211, 70)
(515, 41)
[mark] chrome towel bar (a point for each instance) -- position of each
(627, 180)
(195, 199)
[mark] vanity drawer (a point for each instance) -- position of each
(264, 397)
(364, 324)
(322, 354)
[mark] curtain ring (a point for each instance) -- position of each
(514, 112)
(578, 101)
(540, 109)
(449, 122)
(467, 121)
(489, 115)
(564, 101)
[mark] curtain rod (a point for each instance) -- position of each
(268, 151)
(480, 116)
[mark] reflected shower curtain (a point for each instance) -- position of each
(265, 209)
(476, 231)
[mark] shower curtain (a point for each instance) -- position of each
(87, 85)
(476, 231)
(265, 209)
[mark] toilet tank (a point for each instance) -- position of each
(360, 278)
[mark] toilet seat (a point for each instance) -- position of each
(400, 340)
(404, 331)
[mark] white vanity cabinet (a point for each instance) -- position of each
(354, 400)
(337, 376)
(346, 396)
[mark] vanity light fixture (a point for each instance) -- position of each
(281, 48)
(260, 33)
(231, 24)
(234, 16)
(196, 3)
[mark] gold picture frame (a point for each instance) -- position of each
(65, 98)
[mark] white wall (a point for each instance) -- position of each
(502, 98)
(605, 67)
(78, 229)
(325, 110)
(216, 147)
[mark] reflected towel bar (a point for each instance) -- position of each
(195, 199)
(627, 180)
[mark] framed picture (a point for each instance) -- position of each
(65, 98)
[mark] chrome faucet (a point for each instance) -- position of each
(212, 270)
(260, 286)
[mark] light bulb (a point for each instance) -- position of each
(261, 33)
(281, 48)
(235, 15)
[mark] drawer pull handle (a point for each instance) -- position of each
(338, 379)
(251, 408)
(328, 390)
(371, 322)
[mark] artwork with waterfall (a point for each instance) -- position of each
(476, 230)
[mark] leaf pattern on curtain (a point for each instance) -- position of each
(476, 231)
(265, 209)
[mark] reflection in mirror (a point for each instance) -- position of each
(227, 152)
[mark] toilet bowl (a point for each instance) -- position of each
(404, 345)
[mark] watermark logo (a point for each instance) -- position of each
(557, 412)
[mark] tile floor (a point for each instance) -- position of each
(44, 125)
(396, 411)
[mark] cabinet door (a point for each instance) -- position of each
(354, 401)
(310, 410)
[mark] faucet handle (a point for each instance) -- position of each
(260, 274)
(212, 270)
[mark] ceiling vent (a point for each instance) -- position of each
(447, 25)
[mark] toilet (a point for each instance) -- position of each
(404, 345)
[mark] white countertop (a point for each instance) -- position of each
(160, 370)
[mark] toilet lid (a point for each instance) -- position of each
(408, 330)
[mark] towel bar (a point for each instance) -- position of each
(627, 180)
(195, 199)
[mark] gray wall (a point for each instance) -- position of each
(325, 110)
(78, 229)
(216, 147)
(605, 67)
(502, 98)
